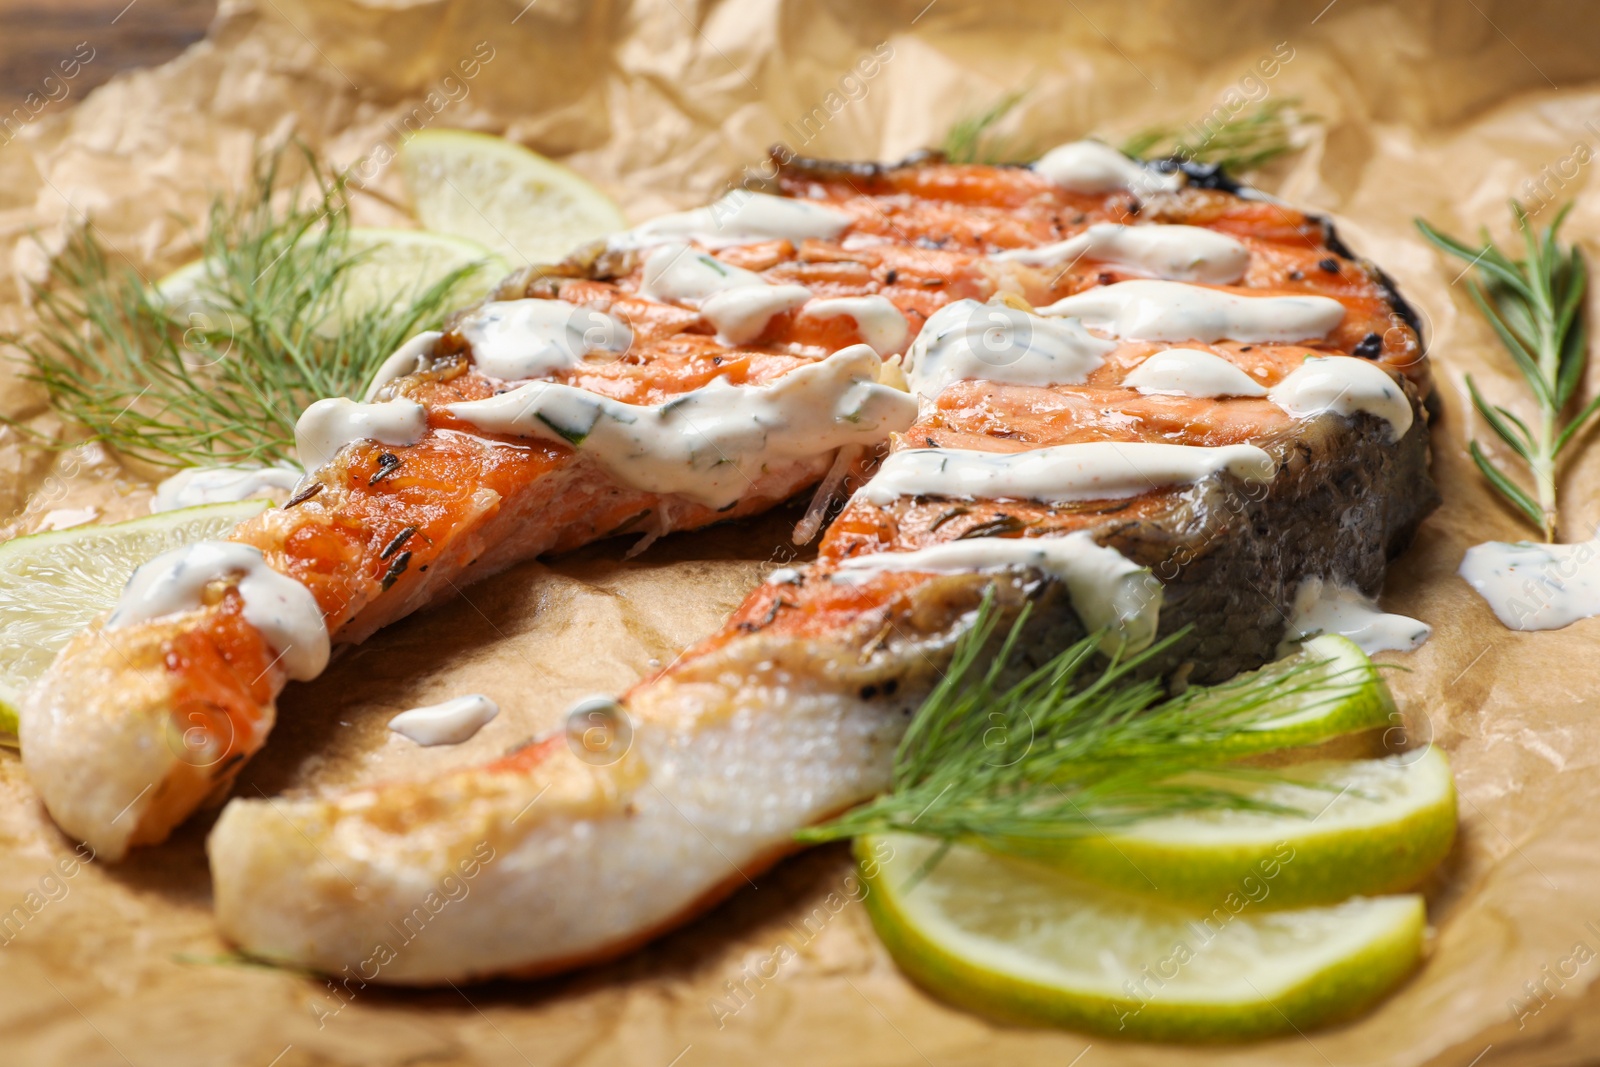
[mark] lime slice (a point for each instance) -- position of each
(1023, 943)
(54, 584)
(516, 202)
(1371, 827)
(396, 266)
(1326, 690)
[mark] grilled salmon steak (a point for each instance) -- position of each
(1145, 402)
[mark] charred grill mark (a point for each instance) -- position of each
(399, 539)
(305, 494)
(1000, 524)
(954, 512)
(1369, 347)
(778, 603)
(388, 463)
(397, 567)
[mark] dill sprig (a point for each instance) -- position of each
(220, 372)
(1055, 756)
(975, 139)
(1238, 144)
(1535, 306)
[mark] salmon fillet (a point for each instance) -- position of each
(793, 710)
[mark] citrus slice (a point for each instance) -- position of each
(396, 267)
(54, 584)
(1021, 942)
(1326, 690)
(1370, 827)
(523, 206)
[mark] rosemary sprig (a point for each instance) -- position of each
(1535, 306)
(1240, 143)
(974, 139)
(1056, 756)
(222, 375)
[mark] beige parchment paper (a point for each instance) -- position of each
(1440, 108)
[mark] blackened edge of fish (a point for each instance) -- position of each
(1391, 292)
(789, 165)
(1201, 175)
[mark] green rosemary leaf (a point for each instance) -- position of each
(1506, 487)
(1574, 353)
(1516, 420)
(1576, 426)
(1495, 313)
(1497, 418)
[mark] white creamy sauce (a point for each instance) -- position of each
(1325, 607)
(1107, 588)
(449, 723)
(1095, 470)
(1346, 385)
(1534, 586)
(409, 358)
(328, 425)
(217, 485)
(999, 343)
(737, 302)
(1179, 253)
(740, 315)
(520, 339)
(1177, 311)
(1191, 372)
(740, 217)
(880, 324)
(281, 609)
(711, 444)
(1092, 167)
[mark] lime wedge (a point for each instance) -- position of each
(54, 584)
(523, 206)
(1326, 690)
(396, 266)
(1024, 943)
(1370, 827)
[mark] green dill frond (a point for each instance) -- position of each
(1237, 143)
(1076, 747)
(974, 139)
(220, 372)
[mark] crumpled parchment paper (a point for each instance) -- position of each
(1435, 108)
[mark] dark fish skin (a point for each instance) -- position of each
(1345, 501)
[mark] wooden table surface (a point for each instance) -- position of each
(38, 36)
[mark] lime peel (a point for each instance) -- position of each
(54, 584)
(1369, 827)
(1021, 943)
